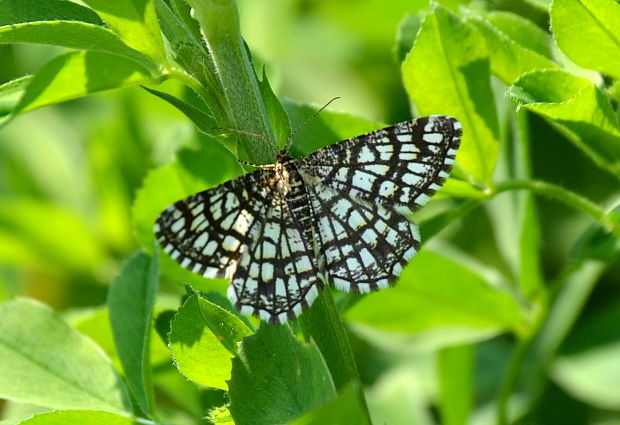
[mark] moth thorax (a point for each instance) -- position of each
(282, 179)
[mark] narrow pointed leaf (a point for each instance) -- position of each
(78, 74)
(203, 120)
(130, 303)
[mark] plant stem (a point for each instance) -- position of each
(533, 354)
(189, 81)
(323, 324)
(563, 195)
(219, 23)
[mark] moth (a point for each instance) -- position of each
(336, 217)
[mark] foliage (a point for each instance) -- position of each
(508, 315)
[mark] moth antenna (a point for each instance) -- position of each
(306, 121)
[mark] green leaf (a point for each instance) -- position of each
(201, 119)
(135, 21)
(436, 292)
(275, 111)
(130, 303)
(176, 31)
(522, 31)
(589, 367)
(48, 363)
(587, 31)
(578, 107)
(407, 31)
(10, 94)
(73, 417)
(62, 23)
(188, 50)
(460, 189)
(447, 72)
(401, 396)
(456, 384)
(220, 416)
(275, 378)
(541, 4)
(592, 376)
(78, 74)
(342, 409)
(203, 340)
(14, 12)
(509, 58)
(323, 322)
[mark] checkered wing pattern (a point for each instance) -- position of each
(399, 166)
(207, 232)
(277, 275)
(359, 190)
(363, 247)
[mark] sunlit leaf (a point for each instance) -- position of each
(61, 23)
(447, 72)
(580, 109)
(523, 31)
(588, 33)
(436, 292)
(71, 417)
(78, 74)
(11, 92)
(48, 363)
(509, 58)
(203, 340)
(135, 22)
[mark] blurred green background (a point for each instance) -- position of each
(69, 175)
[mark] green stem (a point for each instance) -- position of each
(563, 195)
(219, 23)
(189, 81)
(515, 369)
(323, 324)
(533, 354)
